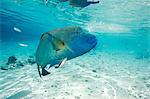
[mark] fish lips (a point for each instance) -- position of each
(83, 44)
(91, 39)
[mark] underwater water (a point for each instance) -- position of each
(117, 68)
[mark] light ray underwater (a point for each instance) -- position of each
(74, 49)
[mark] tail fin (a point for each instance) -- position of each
(44, 72)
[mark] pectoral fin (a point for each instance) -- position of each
(62, 62)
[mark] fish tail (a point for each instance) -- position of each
(44, 72)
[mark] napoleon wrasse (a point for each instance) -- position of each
(57, 46)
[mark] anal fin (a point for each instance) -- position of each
(62, 63)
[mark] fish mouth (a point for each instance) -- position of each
(91, 40)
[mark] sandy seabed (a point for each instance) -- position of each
(95, 75)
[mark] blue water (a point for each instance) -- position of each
(122, 29)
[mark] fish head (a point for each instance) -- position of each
(75, 41)
(80, 42)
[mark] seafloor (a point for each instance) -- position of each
(95, 75)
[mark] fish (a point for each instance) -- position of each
(80, 3)
(23, 45)
(62, 44)
(17, 29)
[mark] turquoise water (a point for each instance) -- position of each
(117, 68)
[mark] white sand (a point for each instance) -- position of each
(95, 75)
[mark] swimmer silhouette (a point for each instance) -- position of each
(80, 3)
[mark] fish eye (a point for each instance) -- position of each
(57, 50)
(63, 43)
